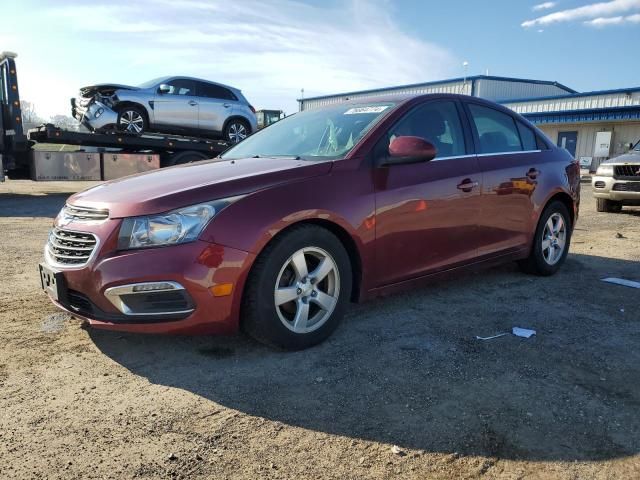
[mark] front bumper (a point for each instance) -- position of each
(94, 115)
(616, 189)
(197, 266)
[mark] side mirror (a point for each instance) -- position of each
(164, 88)
(409, 150)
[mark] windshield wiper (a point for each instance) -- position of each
(290, 157)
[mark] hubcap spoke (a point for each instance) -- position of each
(324, 301)
(546, 243)
(299, 264)
(286, 294)
(322, 270)
(302, 317)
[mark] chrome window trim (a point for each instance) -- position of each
(452, 157)
(113, 295)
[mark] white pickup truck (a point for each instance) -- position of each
(617, 182)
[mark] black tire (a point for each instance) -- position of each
(261, 318)
(132, 119)
(536, 263)
(606, 205)
(236, 130)
(184, 157)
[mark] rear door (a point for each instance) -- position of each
(511, 163)
(216, 105)
(426, 213)
(178, 108)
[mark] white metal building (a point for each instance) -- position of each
(591, 125)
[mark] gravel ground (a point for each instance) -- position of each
(402, 390)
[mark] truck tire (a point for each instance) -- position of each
(181, 158)
(606, 205)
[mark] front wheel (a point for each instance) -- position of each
(298, 289)
(236, 131)
(132, 120)
(551, 241)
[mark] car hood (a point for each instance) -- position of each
(171, 188)
(631, 157)
(104, 88)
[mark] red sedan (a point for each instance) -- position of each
(325, 207)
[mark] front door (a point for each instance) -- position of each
(510, 162)
(426, 212)
(568, 141)
(177, 109)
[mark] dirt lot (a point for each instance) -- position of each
(404, 371)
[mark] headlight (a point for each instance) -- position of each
(171, 228)
(605, 170)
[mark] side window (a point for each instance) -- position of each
(210, 90)
(438, 122)
(527, 136)
(497, 131)
(182, 86)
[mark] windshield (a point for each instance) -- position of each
(151, 83)
(313, 134)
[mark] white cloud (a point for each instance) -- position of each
(591, 11)
(269, 50)
(543, 6)
(608, 21)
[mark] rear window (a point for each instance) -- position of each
(497, 131)
(527, 136)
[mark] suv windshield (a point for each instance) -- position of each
(314, 134)
(151, 83)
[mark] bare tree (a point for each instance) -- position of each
(29, 114)
(64, 121)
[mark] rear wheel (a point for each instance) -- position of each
(551, 241)
(236, 130)
(298, 289)
(132, 119)
(606, 205)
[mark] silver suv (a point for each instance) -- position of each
(177, 105)
(617, 182)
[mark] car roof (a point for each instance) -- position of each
(175, 77)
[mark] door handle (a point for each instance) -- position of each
(193, 103)
(533, 173)
(467, 185)
(226, 105)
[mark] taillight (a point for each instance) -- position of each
(252, 109)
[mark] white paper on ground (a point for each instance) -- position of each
(523, 332)
(493, 336)
(622, 281)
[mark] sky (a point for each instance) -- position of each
(271, 49)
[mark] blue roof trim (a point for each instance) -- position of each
(573, 95)
(588, 115)
(442, 82)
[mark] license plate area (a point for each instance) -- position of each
(52, 282)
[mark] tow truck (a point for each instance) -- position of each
(16, 146)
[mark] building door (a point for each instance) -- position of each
(568, 141)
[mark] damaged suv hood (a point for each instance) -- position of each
(104, 89)
(170, 188)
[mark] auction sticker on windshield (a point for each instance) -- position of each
(357, 110)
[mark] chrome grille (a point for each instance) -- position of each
(69, 248)
(84, 213)
(627, 170)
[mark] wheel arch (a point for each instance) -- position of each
(345, 239)
(564, 198)
(237, 117)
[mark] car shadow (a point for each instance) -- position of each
(32, 205)
(408, 370)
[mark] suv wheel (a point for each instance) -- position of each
(551, 241)
(132, 120)
(298, 289)
(606, 205)
(236, 131)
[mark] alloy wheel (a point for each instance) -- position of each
(237, 132)
(307, 289)
(132, 121)
(554, 239)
